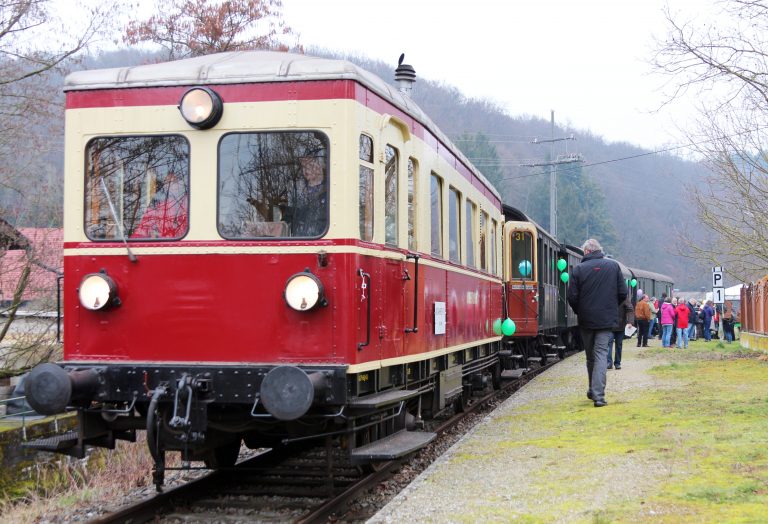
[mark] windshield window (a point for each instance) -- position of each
(137, 188)
(273, 184)
(522, 255)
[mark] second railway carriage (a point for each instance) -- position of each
(263, 246)
(535, 293)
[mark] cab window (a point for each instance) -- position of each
(137, 188)
(273, 185)
(522, 255)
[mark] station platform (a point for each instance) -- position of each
(670, 446)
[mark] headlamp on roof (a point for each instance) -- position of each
(201, 107)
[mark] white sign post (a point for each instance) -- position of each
(718, 287)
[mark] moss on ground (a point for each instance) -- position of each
(696, 434)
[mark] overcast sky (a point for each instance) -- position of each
(588, 60)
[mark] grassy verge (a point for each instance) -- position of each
(682, 440)
(60, 489)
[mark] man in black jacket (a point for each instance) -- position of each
(596, 289)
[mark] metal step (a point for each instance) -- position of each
(534, 359)
(377, 400)
(66, 443)
(393, 446)
(513, 373)
(552, 355)
(516, 357)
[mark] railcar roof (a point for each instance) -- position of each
(642, 273)
(256, 66)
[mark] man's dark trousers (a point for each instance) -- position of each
(596, 343)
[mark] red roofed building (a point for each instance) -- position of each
(43, 247)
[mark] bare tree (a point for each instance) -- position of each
(724, 66)
(37, 43)
(187, 28)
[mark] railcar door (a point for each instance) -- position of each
(522, 267)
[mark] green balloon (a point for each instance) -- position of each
(562, 264)
(564, 277)
(634, 282)
(508, 327)
(497, 326)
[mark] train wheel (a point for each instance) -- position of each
(223, 456)
(462, 401)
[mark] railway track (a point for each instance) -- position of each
(287, 485)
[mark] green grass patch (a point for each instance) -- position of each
(697, 434)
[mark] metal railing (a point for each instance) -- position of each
(22, 417)
(754, 313)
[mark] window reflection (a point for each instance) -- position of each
(137, 188)
(273, 185)
(390, 195)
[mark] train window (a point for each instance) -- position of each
(522, 255)
(273, 184)
(412, 206)
(390, 195)
(366, 188)
(137, 188)
(454, 226)
(436, 210)
(469, 221)
(493, 247)
(483, 240)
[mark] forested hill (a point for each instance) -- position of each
(635, 206)
(633, 200)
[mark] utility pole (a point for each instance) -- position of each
(553, 162)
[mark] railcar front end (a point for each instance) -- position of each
(265, 247)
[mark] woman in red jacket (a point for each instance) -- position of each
(681, 313)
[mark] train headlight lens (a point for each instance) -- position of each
(97, 291)
(304, 291)
(201, 107)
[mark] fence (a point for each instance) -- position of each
(754, 313)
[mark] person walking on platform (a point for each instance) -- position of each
(691, 319)
(643, 315)
(654, 310)
(626, 318)
(667, 321)
(706, 315)
(681, 315)
(594, 293)
(660, 303)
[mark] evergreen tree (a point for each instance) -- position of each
(581, 208)
(483, 155)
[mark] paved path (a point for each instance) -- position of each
(513, 465)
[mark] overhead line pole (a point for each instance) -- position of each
(553, 172)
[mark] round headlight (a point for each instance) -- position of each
(201, 107)
(304, 291)
(97, 291)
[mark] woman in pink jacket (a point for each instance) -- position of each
(667, 320)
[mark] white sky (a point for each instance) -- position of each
(588, 60)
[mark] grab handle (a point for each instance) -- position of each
(366, 284)
(415, 328)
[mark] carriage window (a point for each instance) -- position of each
(436, 209)
(454, 244)
(469, 221)
(412, 167)
(137, 188)
(273, 185)
(522, 255)
(390, 195)
(483, 240)
(366, 187)
(493, 247)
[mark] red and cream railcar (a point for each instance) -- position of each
(266, 246)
